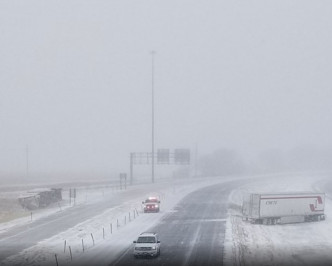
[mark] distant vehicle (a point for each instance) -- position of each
(152, 199)
(151, 204)
(283, 208)
(147, 244)
(40, 198)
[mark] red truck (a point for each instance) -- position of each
(151, 204)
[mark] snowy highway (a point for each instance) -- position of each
(193, 234)
(199, 223)
(26, 235)
(220, 110)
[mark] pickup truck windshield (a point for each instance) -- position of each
(146, 239)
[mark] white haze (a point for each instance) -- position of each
(75, 80)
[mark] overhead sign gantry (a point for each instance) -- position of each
(162, 157)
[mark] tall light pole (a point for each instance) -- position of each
(27, 161)
(152, 87)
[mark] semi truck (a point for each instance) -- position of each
(281, 208)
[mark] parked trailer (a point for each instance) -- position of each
(283, 207)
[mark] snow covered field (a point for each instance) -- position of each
(106, 236)
(288, 244)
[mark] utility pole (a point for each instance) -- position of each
(27, 161)
(196, 160)
(131, 167)
(152, 87)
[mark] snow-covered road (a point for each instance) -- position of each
(245, 243)
(192, 234)
(113, 227)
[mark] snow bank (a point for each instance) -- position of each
(289, 244)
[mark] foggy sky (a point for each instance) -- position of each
(75, 79)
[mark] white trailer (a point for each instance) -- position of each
(283, 207)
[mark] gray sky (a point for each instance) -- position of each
(75, 79)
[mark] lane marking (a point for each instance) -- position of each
(200, 221)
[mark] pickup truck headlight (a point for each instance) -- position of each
(153, 248)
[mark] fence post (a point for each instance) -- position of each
(83, 244)
(56, 260)
(71, 255)
(92, 239)
(111, 228)
(64, 249)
